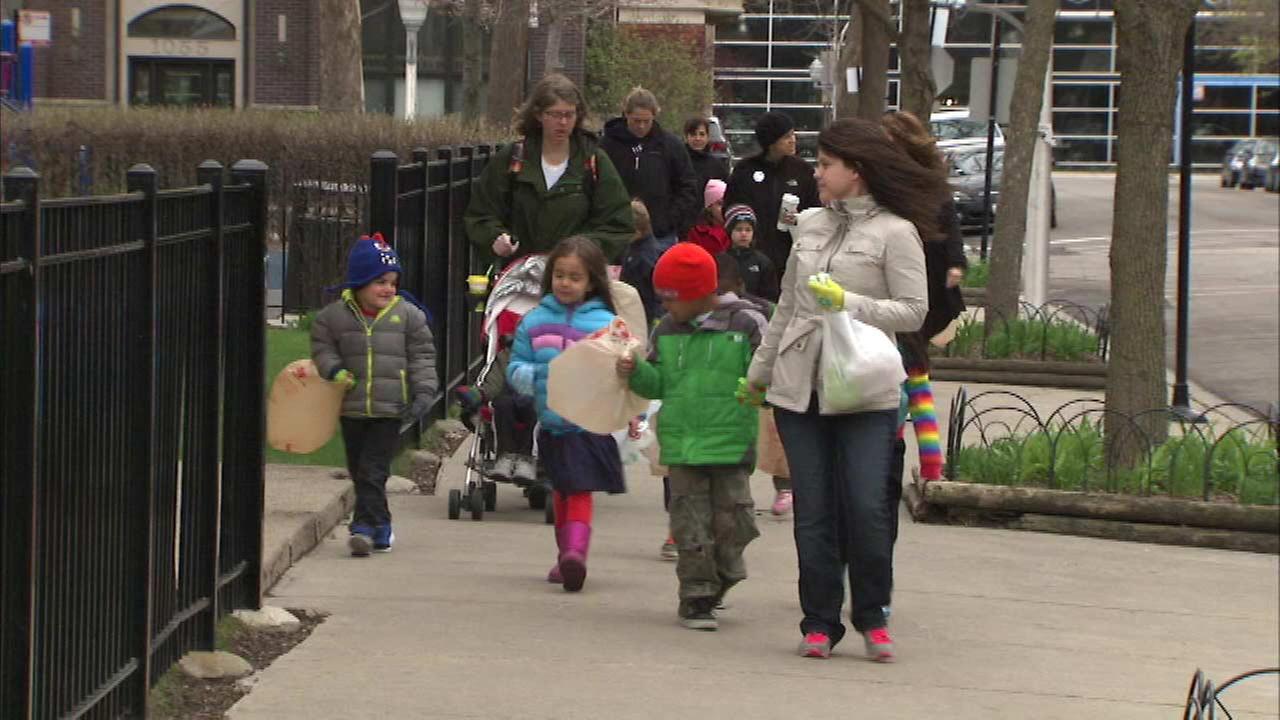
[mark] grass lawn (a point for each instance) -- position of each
(283, 347)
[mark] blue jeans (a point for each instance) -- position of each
(838, 469)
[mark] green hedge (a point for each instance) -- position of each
(296, 145)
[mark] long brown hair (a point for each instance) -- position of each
(589, 252)
(897, 182)
(911, 135)
(549, 91)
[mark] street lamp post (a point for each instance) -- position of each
(413, 13)
(1181, 403)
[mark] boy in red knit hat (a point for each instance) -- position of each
(706, 437)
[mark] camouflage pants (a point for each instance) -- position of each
(712, 520)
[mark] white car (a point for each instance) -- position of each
(953, 129)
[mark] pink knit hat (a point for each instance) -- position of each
(714, 192)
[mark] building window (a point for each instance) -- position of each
(181, 83)
(182, 21)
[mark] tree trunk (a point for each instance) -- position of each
(845, 102)
(472, 60)
(1019, 147)
(1150, 36)
(875, 58)
(341, 57)
(552, 62)
(508, 60)
(917, 89)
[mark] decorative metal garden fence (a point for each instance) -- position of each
(999, 437)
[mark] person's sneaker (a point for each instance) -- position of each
(524, 469)
(697, 614)
(782, 503)
(383, 539)
(669, 550)
(504, 468)
(815, 645)
(361, 540)
(879, 645)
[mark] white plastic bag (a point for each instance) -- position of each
(859, 364)
(583, 385)
(633, 450)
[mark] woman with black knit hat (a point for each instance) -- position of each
(762, 180)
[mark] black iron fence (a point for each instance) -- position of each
(131, 432)
(318, 220)
(1228, 451)
(1057, 330)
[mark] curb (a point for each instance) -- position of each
(314, 527)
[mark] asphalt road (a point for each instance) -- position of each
(1234, 342)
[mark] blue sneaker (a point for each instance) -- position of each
(361, 540)
(383, 538)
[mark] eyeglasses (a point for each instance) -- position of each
(561, 115)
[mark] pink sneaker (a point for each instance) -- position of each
(879, 645)
(782, 503)
(815, 645)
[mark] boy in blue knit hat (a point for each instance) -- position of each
(380, 347)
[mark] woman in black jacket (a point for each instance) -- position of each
(761, 181)
(654, 166)
(697, 138)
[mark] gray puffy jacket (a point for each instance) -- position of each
(392, 356)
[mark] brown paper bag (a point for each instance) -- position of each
(302, 412)
(771, 458)
(583, 385)
(629, 306)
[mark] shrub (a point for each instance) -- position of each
(1241, 466)
(977, 274)
(1058, 339)
(618, 61)
(296, 145)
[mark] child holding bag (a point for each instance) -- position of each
(699, 352)
(576, 302)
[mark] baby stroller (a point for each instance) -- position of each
(516, 291)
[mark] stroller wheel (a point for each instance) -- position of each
(537, 495)
(490, 496)
(475, 502)
(455, 504)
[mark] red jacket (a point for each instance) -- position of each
(711, 238)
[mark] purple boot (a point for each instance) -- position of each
(554, 575)
(573, 556)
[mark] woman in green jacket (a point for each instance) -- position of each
(552, 183)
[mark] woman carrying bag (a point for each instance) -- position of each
(860, 254)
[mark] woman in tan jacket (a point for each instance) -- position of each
(867, 240)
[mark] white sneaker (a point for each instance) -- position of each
(525, 469)
(504, 468)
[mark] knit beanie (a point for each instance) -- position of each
(685, 272)
(713, 193)
(770, 128)
(739, 213)
(370, 258)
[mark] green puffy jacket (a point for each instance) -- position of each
(392, 356)
(595, 204)
(695, 372)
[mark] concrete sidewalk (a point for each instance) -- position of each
(459, 623)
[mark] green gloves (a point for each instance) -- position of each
(749, 393)
(344, 377)
(830, 295)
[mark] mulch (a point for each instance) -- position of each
(183, 697)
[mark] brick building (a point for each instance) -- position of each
(230, 53)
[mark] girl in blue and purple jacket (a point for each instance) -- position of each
(575, 303)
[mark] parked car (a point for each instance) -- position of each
(719, 146)
(1272, 183)
(1248, 163)
(968, 167)
(953, 129)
